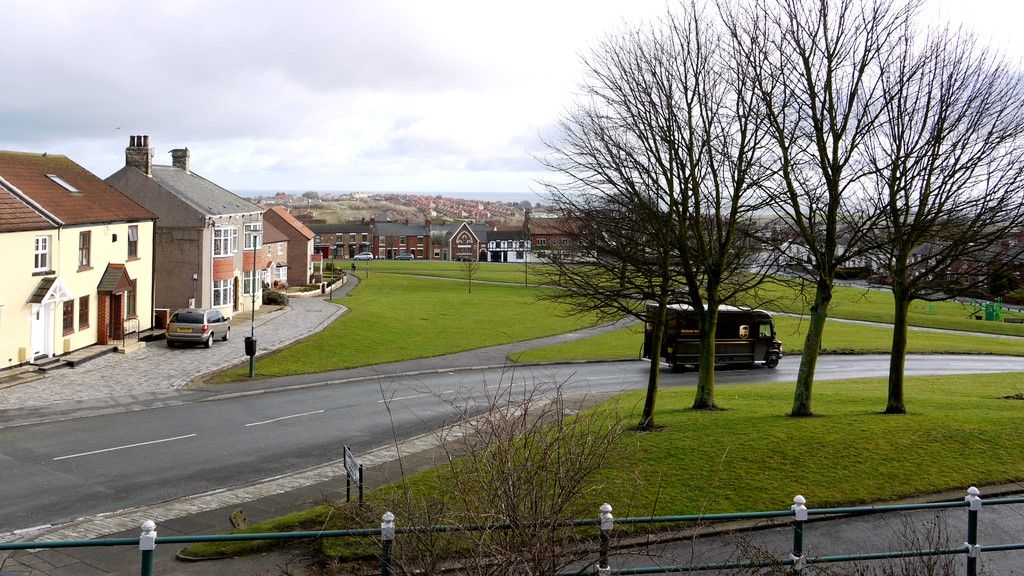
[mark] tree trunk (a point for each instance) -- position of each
(705, 398)
(658, 335)
(898, 355)
(812, 347)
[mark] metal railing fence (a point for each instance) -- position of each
(797, 560)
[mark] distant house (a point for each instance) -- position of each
(508, 245)
(78, 259)
(552, 237)
(206, 238)
(394, 239)
(300, 244)
(343, 240)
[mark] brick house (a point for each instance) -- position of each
(273, 256)
(206, 238)
(78, 258)
(300, 244)
(394, 238)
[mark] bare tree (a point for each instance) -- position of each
(518, 464)
(948, 161)
(815, 66)
(614, 160)
(661, 169)
(470, 268)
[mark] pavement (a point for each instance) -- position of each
(155, 376)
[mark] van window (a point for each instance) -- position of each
(766, 331)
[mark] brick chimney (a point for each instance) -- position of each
(179, 158)
(139, 155)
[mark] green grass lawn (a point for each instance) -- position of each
(397, 317)
(877, 306)
(839, 338)
(752, 457)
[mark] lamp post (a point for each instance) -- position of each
(250, 343)
(195, 277)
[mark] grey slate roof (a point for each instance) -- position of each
(41, 289)
(399, 229)
(205, 196)
(346, 227)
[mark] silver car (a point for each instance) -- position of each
(197, 326)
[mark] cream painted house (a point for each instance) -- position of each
(78, 256)
(207, 240)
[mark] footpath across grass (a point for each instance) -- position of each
(396, 317)
(750, 456)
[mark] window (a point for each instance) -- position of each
(42, 257)
(130, 304)
(280, 248)
(318, 240)
(69, 317)
(253, 235)
(247, 282)
(225, 241)
(401, 240)
(83, 312)
(352, 237)
(281, 274)
(63, 184)
(84, 239)
(222, 295)
(133, 242)
(364, 237)
(542, 242)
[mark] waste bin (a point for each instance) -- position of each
(250, 346)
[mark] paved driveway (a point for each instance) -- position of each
(157, 369)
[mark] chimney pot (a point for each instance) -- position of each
(139, 155)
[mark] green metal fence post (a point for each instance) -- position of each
(607, 523)
(147, 543)
(387, 540)
(799, 518)
(973, 499)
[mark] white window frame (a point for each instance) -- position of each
(280, 274)
(41, 259)
(225, 241)
(247, 277)
(223, 295)
(253, 233)
(280, 248)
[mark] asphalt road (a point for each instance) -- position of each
(58, 471)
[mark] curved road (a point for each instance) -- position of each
(58, 471)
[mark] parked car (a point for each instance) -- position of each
(197, 326)
(363, 256)
(405, 256)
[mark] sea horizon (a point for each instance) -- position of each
(532, 197)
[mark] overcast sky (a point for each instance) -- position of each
(379, 95)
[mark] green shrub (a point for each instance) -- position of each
(275, 298)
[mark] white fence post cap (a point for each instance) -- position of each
(973, 498)
(147, 540)
(607, 520)
(799, 510)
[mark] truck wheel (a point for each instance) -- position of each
(771, 361)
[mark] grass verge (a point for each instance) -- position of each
(395, 317)
(751, 456)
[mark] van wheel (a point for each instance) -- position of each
(227, 333)
(209, 342)
(771, 361)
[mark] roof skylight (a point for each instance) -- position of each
(63, 184)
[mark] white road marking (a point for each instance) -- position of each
(283, 418)
(125, 446)
(604, 378)
(403, 398)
